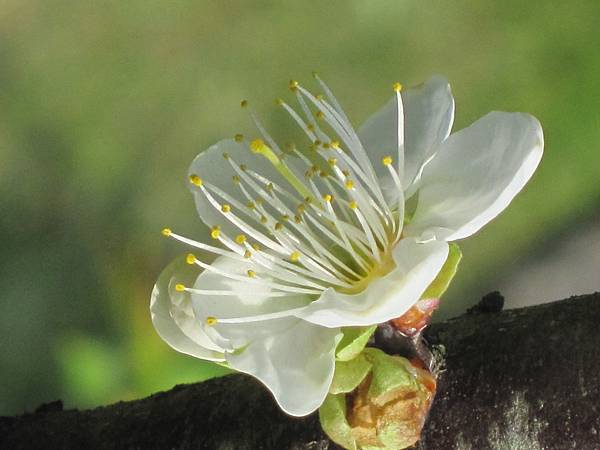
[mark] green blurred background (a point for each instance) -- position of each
(103, 104)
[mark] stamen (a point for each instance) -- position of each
(196, 180)
(367, 230)
(398, 225)
(208, 248)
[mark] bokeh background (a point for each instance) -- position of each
(103, 104)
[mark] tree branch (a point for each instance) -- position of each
(519, 379)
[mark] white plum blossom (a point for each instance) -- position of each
(350, 232)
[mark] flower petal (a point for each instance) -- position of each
(212, 167)
(475, 175)
(385, 298)
(173, 317)
(428, 117)
(296, 363)
(251, 299)
(379, 136)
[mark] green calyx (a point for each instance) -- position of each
(354, 341)
(438, 286)
(376, 402)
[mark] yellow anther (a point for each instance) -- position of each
(290, 146)
(244, 103)
(251, 205)
(166, 232)
(308, 174)
(225, 208)
(319, 114)
(263, 220)
(243, 167)
(215, 232)
(353, 204)
(270, 187)
(349, 184)
(235, 179)
(311, 127)
(238, 137)
(346, 173)
(195, 180)
(326, 145)
(226, 155)
(285, 217)
(308, 200)
(317, 143)
(179, 287)
(211, 321)
(295, 256)
(300, 209)
(319, 97)
(259, 201)
(328, 198)
(256, 246)
(387, 160)
(190, 259)
(278, 226)
(257, 145)
(315, 74)
(397, 87)
(240, 238)
(251, 273)
(278, 101)
(323, 174)
(293, 85)
(247, 254)
(332, 161)
(297, 219)
(335, 144)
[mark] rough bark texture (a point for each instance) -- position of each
(523, 379)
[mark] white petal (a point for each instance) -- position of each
(417, 264)
(250, 300)
(212, 167)
(428, 118)
(379, 136)
(296, 363)
(174, 318)
(475, 175)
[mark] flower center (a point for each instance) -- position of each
(331, 228)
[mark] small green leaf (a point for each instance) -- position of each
(349, 374)
(390, 373)
(332, 415)
(353, 342)
(442, 281)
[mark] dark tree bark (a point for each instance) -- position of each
(523, 379)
